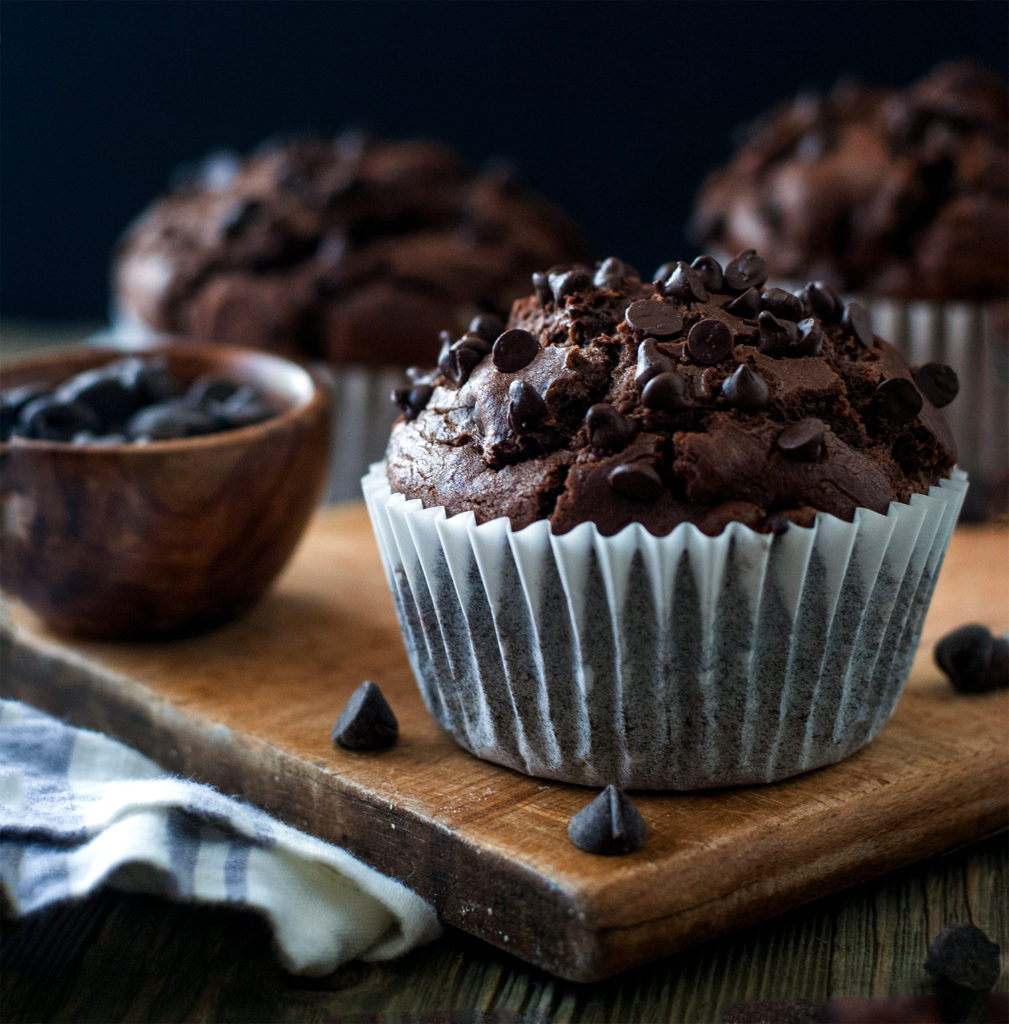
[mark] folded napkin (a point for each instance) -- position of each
(79, 810)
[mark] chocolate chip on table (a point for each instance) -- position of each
(896, 401)
(709, 270)
(782, 304)
(487, 325)
(651, 362)
(608, 429)
(856, 319)
(745, 390)
(685, 283)
(747, 270)
(654, 318)
(823, 301)
(937, 382)
(667, 392)
(973, 659)
(747, 305)
(612, 272)
(526, 409)
(709, 341)
(638, 481)
(611, 825)
(964, 957)
(366, 722)
(46, 419)
(776, 337)
(514, 350)
(803, 440)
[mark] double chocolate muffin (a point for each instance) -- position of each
(890, 192)
(706, 397)
(351, 250)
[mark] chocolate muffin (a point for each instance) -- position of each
(673, 535)
(348, 250)
(901, 193)
(705, 398)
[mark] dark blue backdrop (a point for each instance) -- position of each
(614, 109)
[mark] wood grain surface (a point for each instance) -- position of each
(249, 708)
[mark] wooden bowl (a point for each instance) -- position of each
(129, 540)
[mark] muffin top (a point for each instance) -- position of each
(349, 250)
(704, 397)
(897, 193)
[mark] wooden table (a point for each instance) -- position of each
(118, 957)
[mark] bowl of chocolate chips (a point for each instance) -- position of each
(157, 491)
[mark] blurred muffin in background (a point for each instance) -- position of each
(901, 198)
(352, 252)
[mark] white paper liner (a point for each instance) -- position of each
(362, 410)
(677, 662)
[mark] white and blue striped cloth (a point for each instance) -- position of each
(79, 810)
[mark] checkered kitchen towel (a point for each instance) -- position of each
(79, 810)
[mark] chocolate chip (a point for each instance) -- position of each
(45, 419)
(209, 388)
(663, 272)
(487, 325)
(973, 659)
(709, 270)
(856, 319)
(421, 375)
(244, 407)
(745, 306)
(782, 304)
(776, 336)
(413, 400)
(541, 287)
(667, 392)
(747, 270)
(526, 408)
(896, 401)
(938, 383)
(366, 722)
(513, 350)
(823, 301)
(568, 281)
(458, 359)
(238, 216)
(651, 362)
(610, 825)
(685, 284)
(709, 341)
(964, 957)
(638, 481)
(745, 390)
(803, 440)
(655, 318)
(112, 400)
(612, 272)
(170, 421)
(608, 429)
(810, 341)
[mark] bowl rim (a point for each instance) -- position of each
(317, 396)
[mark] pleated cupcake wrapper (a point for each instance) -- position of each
(676, 662)
(362, 415)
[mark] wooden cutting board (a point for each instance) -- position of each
(249, 708)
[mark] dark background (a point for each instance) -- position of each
(616, 110)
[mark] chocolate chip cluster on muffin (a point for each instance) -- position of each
(702, 397)
(348, 250)
(897, 193)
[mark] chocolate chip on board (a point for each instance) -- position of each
(973, 659)
(514, 350)
(366, 722)
(964, 957)
(611, 825)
